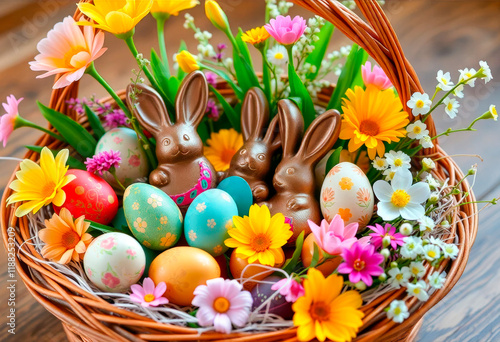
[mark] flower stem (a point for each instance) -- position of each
(266, 69)
(160, 26)
(113, 172)
(22, 122)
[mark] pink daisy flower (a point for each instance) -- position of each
(8, 120)
(361, 263)
(334, 236)
(149, 294)
(285, 30)
(377, 76)
(289, 288)
(222, 303)
(68, 51)
(387, 231)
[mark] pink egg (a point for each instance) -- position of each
(91, 196)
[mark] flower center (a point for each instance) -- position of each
(278, 55)
(70, 239)
(48, 189)
(380, 163)
(417, 130)
(397, 311)
(359, 265)
(400, 198)
(69, 57)
(444, 80)
(399, 276)
(149, 297)
(420, 104)
(415, 270)
(398, 162)
(450, 106)
(221, 304)
(320, 311)
(260, 243)
(369, 127)
(432, 254)
(416, 291)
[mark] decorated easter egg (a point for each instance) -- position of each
(307, 253)
(91, 196)
(239, 270)
(114, 261)
(134, 165)
(183, 269)
(240, 191)
(347, 191)
(278, 305)
(152, 216)
(207, 220)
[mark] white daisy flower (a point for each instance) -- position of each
(426, 142)
(435, 241)
(398, 311)
(466, 74)
(398, 276)
(428, 164)
(406, 229)
(277, 55)
(431, 252)
(486, 71)
(401, 198)
(493, 112)
(397, 160)
(389, 174)
(417, 130)
(451, 107)
(433, 182)
(418, 290)
(419, 103)
(417, 269)
(444, 80)
(412, 247)
(426, 224)
(380, 163)
(450, 250)
(437, 280)
(459, 91)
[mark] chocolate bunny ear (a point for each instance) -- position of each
(254, 114)
(192, 98)
(320, 137)
(272, 137)
(291, 126)
(148, 107)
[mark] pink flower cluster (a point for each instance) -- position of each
(8, 120)
(212, 111)
(289, 288)
(113, 117)
(103, 161)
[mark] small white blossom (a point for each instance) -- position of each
(434, 197)
(398, 311)
(419, 103)
(437, 280)
(389, 174)
(380, 163)
(444, 81)
(466, 74)
(459, 91)
(435, 241)
(493, 112)
(398, 276)
(277, 55)
(426, 142)
(451, 107)
(417, 130)
(417, 269)
(428, 164)
(418, 290)
(397, 160)
(228, 62)
(406, 229)
(431, 252)
(433, 182)
(445, 224)
(450, 250)
(486, 71)
(412, 247)
(426, 224)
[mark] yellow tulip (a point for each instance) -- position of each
(216, 15)
(116, 17)
(172, 7)
(187, 62)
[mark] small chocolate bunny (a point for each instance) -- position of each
(294, 176)
(183, 172)
(252, 162)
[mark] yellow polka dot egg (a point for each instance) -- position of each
(346, 191)
(208, 219)
(152, 216)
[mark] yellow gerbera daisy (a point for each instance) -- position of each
(259, 237)
(65, 238)
(372, 117)
(118, 17)
(325, 313)
(42, 184)
(172, 7)
(255, 36)
(221, 148)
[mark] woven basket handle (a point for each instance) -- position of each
(377, 37)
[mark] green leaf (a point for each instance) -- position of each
(320, 47)
(181, 74)
(293, 261)
(243, 47)
(73, 163)
(315, 257)
(245, 73)
(203, 131)
(237, 90)
(232, 115)
(77, 136)
(97, 227)
(297, 101)
(298, 89)
(161, 76)
(349, 77)
(94, 122)
(333, 160)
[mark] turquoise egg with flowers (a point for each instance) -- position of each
(208, 219)
(152, 216)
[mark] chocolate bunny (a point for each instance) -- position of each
(294, 176)
(253, 160)
(183, 172)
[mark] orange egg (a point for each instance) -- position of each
(328, 266)
(183, 269)
(236, 265)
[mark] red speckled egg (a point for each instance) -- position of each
(91, 196)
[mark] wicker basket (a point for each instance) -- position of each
(89, 318)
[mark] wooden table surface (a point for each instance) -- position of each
(444, 34)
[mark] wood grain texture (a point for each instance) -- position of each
(446, 34)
